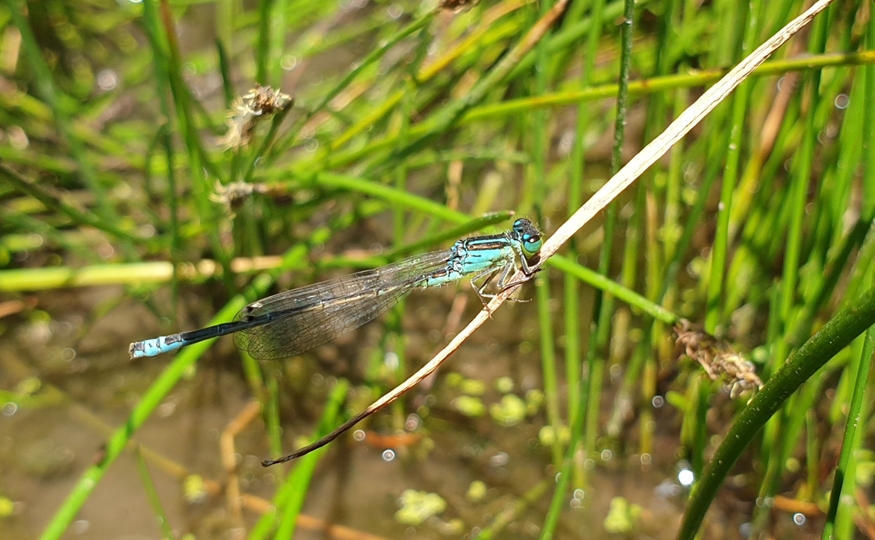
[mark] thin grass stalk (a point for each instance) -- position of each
(674, 238)
(227, 13)
(797, 196)
(656, 114)
(761, 231)
(153, 497)
(834, 191)
(826, 261)
(280, 12)
(295, 488)
(700, 398)
(173, 203)
(548, 367)
(838, 515)
(603, 283)
(812, 448)
(262, 44)
(373, 189)
(577, 159)
(688, 229)
(760, 150)
(564, 478)
(839, 519)
(534, 191)
(792, 426)
(633, 233)
(720, 249)
(288, 498)
(578, 389)
(868, 186)
(773, 433)
(271, 414)
(760, 223)
(622, 318)
(826, 286)
(258, 152)
(799, 185)
(603, 304)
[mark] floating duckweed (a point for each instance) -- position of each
(510, 411)
(476, 491)
(472, 387)
(418, 506)
(454, 379)
(548, 434)
(534, 400)
(7, 507)
(470, 406)
(504, 385)
(623, 517)
(194, 489)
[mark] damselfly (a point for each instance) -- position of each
(295, 321)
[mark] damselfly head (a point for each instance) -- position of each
(528, 235)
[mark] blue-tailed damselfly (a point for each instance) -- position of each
(291, 322)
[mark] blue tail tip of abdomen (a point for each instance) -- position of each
(154, 347)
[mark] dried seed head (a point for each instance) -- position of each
(718, 359)
(259, 103)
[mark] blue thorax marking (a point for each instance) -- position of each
(474, 256)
